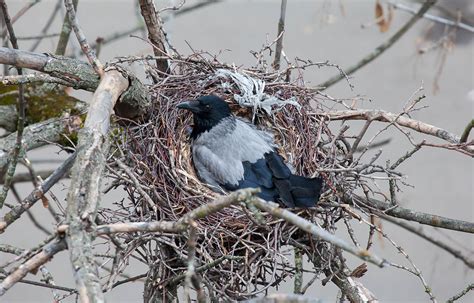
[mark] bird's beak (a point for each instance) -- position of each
(192, 105)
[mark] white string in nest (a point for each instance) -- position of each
(252, 93)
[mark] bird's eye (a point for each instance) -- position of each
(208, 106)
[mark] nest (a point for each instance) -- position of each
(236, 256)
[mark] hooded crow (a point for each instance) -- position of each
(231, 153)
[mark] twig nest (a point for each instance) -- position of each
(160, 158)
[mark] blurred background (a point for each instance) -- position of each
(439, 59)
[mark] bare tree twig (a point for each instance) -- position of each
(384, 46)
(187, 9)
(438, 19)
(461, 294)
(15, 153)
(46, 285)
(32, 264)
(20, 13)
(317, 231)
(456, 253)
(411, 215)
(46, 27)
(90, 54)
(65, 33)
(35, 195)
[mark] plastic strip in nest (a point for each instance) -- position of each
(231, 153)
(252, 93)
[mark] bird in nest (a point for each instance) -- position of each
(231, 153)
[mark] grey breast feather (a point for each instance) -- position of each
(218, 153)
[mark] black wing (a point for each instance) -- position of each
(277, 183)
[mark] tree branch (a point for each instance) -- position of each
(32, 264)
(39, 134)
(434, 18)
(35, 195)
(461, 294)
(317, 231)
(383, 47)
(33, 78)
(15, 152)
(456, 253)
(281, 29)
(178, 226)
(383, 116)
(411, 215)
(84, 192)
(133, 104)
(81, 37)
(65, 33)
(78, 72)
(467, 130)
(155, 33)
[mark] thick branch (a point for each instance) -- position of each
(133, 104)
(79, 73)
(39, 134)
(155, 32)
(353, 290)
(84, 192)
(32, 78)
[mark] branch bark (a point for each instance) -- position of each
(317, 231)
(383, 116)
(419, 232)
(39, 134)
(81, 37)
(35, 195)
(84, 192)
(281, 29)
(32, 264)
(17, 148)
(411, 215)
(133, 104)
(65, 33)
(155, 33)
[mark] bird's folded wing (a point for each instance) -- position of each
(213, 168)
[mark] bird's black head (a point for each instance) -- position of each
(208, 111)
